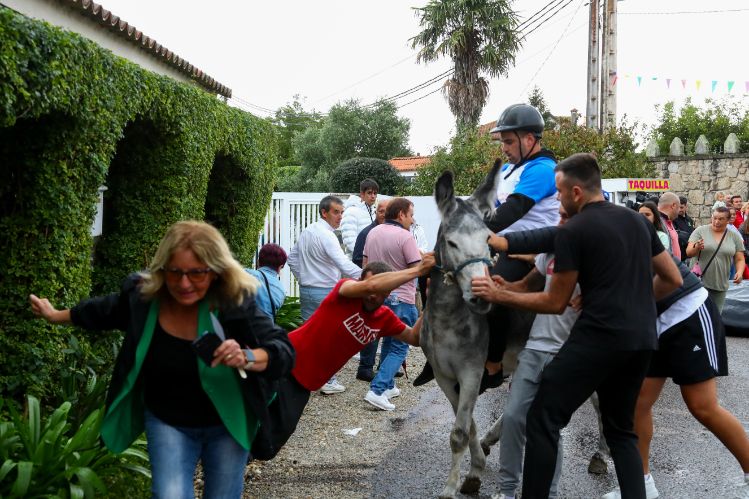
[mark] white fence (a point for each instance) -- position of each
(290, 212)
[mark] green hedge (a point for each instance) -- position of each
(73, 116)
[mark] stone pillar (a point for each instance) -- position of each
(677, 147)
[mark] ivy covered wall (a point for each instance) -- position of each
(73, 116)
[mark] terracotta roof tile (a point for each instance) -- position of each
(119, 27)
(486, 127)
(409, 163)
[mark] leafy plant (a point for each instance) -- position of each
(50, 457)
(289, 316)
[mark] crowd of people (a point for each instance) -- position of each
(201, 349)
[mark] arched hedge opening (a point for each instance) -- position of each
(73, 116)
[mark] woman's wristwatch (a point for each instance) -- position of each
(250, 357)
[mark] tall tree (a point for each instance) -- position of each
(350, 130)
(537, 100)
(480, 37)
(291, 120)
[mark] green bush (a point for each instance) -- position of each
(289, 316)
(73, 116)
(349, 174)
(51, 458)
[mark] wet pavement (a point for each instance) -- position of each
(687, 461)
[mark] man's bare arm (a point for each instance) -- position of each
(411, 335)
(387, 281)
(553, 301)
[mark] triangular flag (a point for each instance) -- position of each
(668, 82)
(683, 83)
(713, 85)
(730, 85)
(613, 79)
(698, 84)
(639, 80)
(746, 85)
(653, 78)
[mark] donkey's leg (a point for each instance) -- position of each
(458, 438)
(597, 463)
(472, 482)
(492, 436)
(469, 392)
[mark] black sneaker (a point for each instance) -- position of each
(491, 380)
(365, 375)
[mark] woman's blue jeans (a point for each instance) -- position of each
(174, 453)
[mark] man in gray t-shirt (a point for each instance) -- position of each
(548, 334)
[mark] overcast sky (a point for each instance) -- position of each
(335, 50)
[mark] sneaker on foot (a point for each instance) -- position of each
(392, 393)
(357, 356)
(332, 387)
(379, 401)
(650, 491)
(365, 375)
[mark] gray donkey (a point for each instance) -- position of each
(454, 334)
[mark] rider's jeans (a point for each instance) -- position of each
(525, 381)
(393, 351)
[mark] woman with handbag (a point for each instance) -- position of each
(716, 248)
(194, 403)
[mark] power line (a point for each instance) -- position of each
(552, 49)
(544, 21)
(620, 13)
(416, 88)
(365, 79)
(419, 98)
(537, 14)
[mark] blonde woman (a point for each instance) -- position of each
(190, 409)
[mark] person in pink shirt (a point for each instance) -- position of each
(393, 244)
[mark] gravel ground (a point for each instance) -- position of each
(320, 460)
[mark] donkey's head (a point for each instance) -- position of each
(461, 242)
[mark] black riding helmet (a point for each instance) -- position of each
(520, 117)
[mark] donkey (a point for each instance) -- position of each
(454, 333)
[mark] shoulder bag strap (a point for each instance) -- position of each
(716, 252)
(270, 296)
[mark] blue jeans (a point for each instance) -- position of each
(393, 351)
(174, 452)
(310, 299)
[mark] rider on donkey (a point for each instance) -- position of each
(526, 199)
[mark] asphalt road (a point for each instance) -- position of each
(687, 461)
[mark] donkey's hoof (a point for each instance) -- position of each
(598, 465)
(471, 485)
(486, 448)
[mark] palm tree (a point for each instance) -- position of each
(480, 36)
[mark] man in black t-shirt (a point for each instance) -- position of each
(612, 252)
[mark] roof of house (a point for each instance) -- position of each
(130, 33)
(486, 127)
(409, 163)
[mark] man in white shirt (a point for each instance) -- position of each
(359, 212)
(318, 263)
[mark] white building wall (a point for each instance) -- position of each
(60, 15)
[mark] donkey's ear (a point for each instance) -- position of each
(444, 193)
(485, 195)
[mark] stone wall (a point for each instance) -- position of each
(700, 177)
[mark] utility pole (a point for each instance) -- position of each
(592, 108)
(608, 66)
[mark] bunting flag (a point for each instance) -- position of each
(649, 81)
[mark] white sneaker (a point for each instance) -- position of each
(502, 496)
(357, 356)
(379, 401)
(332, 387)
(650, 491)
(392, 393)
